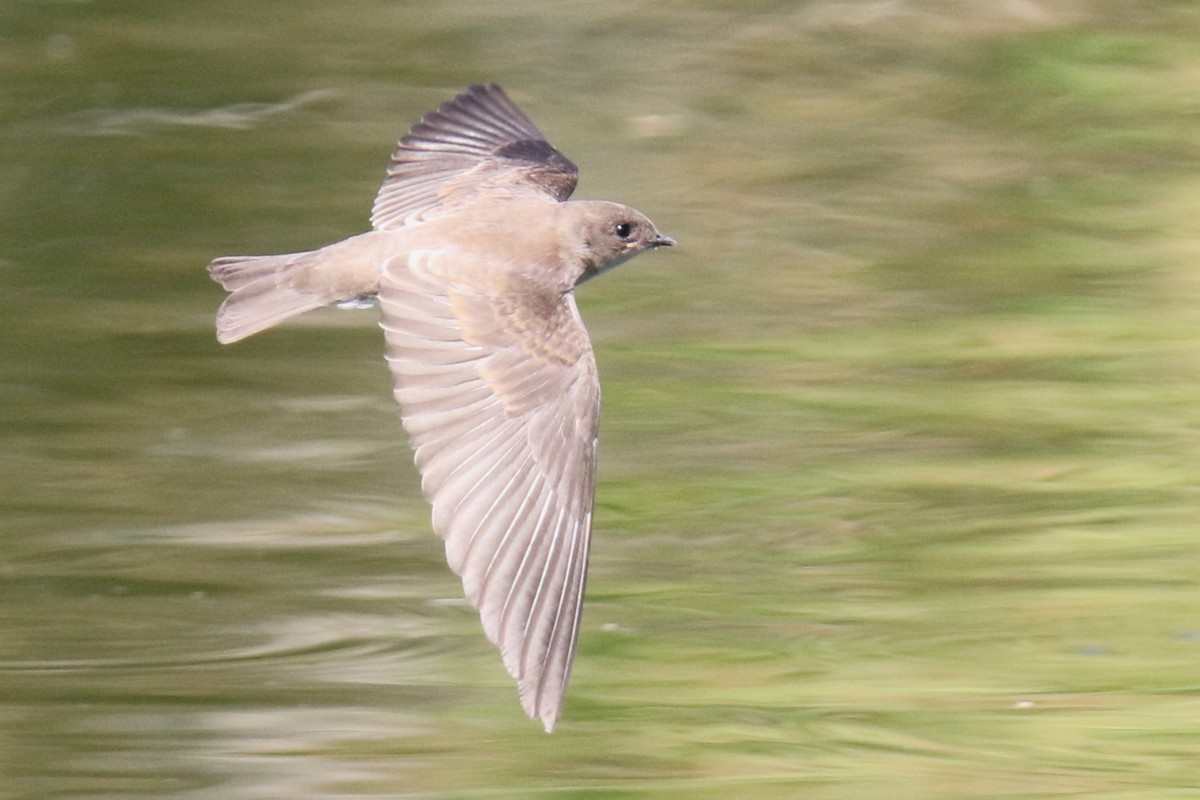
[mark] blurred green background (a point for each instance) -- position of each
(900, 450)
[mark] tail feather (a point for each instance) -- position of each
(262, 292)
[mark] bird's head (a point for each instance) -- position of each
(609, 234)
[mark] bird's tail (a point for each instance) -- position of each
(264, 290)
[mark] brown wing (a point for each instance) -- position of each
(499, 392)
(478, 142)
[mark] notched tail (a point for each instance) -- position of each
(263, 292)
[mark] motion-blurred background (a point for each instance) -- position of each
(899, 484)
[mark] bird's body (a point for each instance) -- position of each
(497, 238)
(474, 257)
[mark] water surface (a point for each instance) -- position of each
(898, 480)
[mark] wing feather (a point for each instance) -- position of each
(502, 414)
(480, 142)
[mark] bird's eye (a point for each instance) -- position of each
(623, 229)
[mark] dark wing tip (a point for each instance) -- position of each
(482, 122)
(478, 141)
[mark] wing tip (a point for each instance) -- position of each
(482, 111)
(547, 715)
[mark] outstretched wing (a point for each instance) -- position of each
(498, 389)
(479, 142)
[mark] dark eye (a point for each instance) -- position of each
(623, 230)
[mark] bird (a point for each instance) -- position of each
(474, 253)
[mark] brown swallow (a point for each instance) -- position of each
(474, 254)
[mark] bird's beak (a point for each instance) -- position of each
(662, 241)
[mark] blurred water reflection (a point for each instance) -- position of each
(898, 462)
